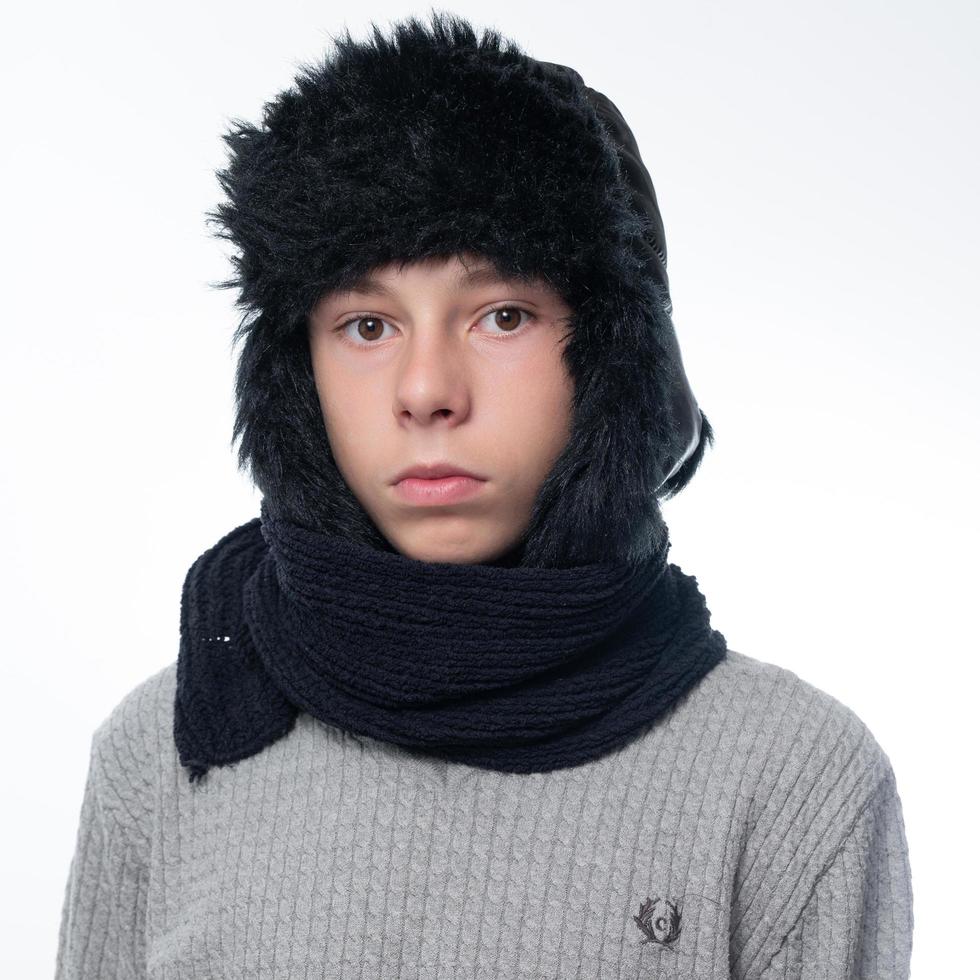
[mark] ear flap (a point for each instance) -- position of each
(686, 414)
(687, 417)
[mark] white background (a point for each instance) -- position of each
(816, 166)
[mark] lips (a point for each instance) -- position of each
(435, 471)
(443, 490)
(437, 483)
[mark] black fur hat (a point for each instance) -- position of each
(434, 142)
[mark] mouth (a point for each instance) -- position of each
(414, 486)
(442, 490)
(437, 470)
(437, 483)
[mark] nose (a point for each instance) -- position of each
(432, 381)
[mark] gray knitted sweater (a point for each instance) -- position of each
(754, 831)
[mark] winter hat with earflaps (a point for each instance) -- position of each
(437, 142)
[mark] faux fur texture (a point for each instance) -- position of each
(433, 142)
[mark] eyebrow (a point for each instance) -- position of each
(481, 276)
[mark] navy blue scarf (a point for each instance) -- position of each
(510, 668)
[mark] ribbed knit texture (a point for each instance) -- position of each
(754, 831)
(515, 669)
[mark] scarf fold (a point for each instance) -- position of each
(516, 669)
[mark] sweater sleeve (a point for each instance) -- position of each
(102, 934)
(857, 921)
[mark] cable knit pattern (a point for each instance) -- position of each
(754, 831)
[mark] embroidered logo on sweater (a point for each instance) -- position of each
(659, 921)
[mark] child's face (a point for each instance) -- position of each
(428, 372)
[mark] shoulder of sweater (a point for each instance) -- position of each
(801, 747)
(140, 716)
(127, 750)
(810, 775)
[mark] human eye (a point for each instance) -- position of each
(508, 319)
(373, 331)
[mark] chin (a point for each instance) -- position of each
(455, 545)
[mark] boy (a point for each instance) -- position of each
(445, 708)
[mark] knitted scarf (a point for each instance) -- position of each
(510, 668)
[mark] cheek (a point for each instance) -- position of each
(339, 393)
(534, 407)
(347, 407)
